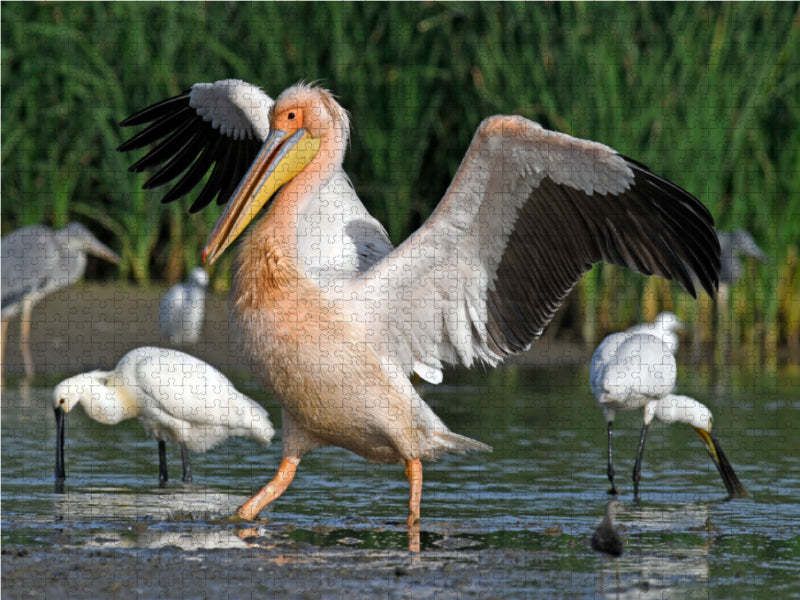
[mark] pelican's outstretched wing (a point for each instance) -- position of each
(222, 124)
(527, 213)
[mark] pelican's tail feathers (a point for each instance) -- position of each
(452, 442)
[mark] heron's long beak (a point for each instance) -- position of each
(732, 483)
(61, 472)
(280, 159)
(99, 249)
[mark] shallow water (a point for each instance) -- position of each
(522, 514)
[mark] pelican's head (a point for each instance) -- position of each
(682, 409)
(314, 109)
(306, 125)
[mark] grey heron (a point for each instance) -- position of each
(638, 371)
(182, 308)
(333, 319)
(176, 397)
(734, 245)
(38, 260)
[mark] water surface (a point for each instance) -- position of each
(522, 514)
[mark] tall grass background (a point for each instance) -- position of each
(707, 95)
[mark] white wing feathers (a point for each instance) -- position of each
(212, 127)
(233, 106)
(527, 213)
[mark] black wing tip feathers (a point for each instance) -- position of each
(185, 145)
(700, 257)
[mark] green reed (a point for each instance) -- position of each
(707, 95)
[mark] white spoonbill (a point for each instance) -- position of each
(334, 320)
(176, 397)
(665, 327)
(639, 371)
(182, 308)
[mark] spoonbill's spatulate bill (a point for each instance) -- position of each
(632, 371)
(333, 319)
(176, 397)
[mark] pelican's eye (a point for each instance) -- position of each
(62, 400)
(291, 120)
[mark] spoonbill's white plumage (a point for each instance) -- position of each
(182, 308)
(639, 371)
(333, 319)
(36, 261)
(665, 327)
(177, 398)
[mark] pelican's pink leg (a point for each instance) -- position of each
(414, 474)
(250, 509)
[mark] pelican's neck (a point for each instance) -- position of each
(301, 195)
(318, 220)
(267, 267)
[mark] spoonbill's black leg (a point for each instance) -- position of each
(637, 466)
(187, 468)
(613, 489)
(163, 477)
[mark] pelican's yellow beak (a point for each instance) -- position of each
(735, 487)
(280, 159)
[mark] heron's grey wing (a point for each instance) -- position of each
(28, 263)
(527, 213)
(221, 124)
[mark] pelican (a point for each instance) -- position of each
(176, 397)
(181, 310)
(37, 261)
(639, 371)
(665, 327)
(333, 319)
